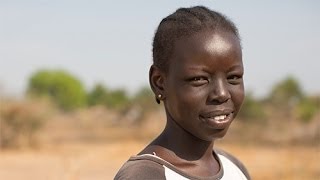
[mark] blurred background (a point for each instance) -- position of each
(75, 101)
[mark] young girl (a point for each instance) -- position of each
(197, 73)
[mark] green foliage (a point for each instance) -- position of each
(252, 109)
(141, 104)
(288, 99)
(110, 98)
(117, 99)
(287, 92)
(145, 98)
(63, 88)
(307, 108)
(98, 95)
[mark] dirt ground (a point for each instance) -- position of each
(102, 160)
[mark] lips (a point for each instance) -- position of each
(218, 119)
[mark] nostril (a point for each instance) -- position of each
(219, 94)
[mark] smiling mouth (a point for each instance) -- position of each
(220, 118)
(220, 121)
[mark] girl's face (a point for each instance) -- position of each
(204, 86)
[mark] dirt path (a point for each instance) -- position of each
(101, 161)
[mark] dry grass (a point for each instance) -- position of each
(89, 144)
(102, 160)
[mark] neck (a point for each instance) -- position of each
(183, 144)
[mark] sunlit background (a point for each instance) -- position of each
(75, 101)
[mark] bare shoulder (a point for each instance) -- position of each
(140, 169)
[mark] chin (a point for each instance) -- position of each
(219, 134)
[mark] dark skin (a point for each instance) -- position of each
(202, 92)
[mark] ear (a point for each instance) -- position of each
(156, 80)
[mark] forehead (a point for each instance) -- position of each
(207, 48)
(204, 42)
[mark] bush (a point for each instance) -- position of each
(306, 109)
(63, 88)
(145, 98)
(100, 95)
(286, 93)
(251, 109)
(20, 121)
(117, 99)
(140, 105)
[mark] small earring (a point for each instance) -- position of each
(158, 98)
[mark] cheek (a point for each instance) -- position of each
(185, 102)
(238, 97)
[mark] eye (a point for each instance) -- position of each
(198, 81)
(235, 79)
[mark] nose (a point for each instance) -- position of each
(219, 92)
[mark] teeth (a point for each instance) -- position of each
(221, 117)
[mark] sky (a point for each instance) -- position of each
(110, 42)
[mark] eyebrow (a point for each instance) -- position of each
(194, 68)
(236, 67)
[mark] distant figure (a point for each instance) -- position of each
(197, 73)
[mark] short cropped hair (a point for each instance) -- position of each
(186, 22)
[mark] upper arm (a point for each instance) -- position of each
(142, 169)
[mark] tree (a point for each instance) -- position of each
(307, 108)
(145, 98)
(63, 88)
(110, 98)
(117, 99)
(286, 93)
(252, 109)
(140, 105)
(98, 95)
